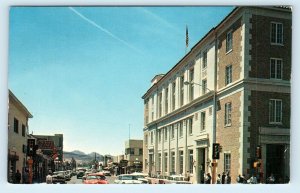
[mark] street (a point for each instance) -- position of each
(74, 180)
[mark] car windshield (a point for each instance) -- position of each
(127, 177)
(95, 177)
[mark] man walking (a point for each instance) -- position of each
(18, 177)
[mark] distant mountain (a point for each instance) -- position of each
(80, 156)
(78, 152)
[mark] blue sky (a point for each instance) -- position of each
(82, 71)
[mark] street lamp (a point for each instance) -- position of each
(214, 126)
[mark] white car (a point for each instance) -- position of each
(176, 179)
(128, 179)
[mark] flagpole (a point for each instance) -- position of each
(186, 39)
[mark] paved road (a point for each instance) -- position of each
(74, 180)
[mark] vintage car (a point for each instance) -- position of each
(95, 178)
(176, 179)
(58, 177)
(129, 179)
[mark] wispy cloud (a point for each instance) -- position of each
(161, 20)
(103, 29)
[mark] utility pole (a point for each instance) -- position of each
(129, 132)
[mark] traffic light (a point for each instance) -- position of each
(216, 151)
(30, 147)
(258, 152)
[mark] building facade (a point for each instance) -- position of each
(134, 155)
(231, 88)
(18, 117)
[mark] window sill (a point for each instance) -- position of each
(276, 44)
(228, 125)
(275, 123)
(228, 52)
(275, 78)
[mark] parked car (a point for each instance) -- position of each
(176, 179)
(128, 179)
(80, 174)
(106, 173)
(58, 177)
(95, 178)
(67, 175)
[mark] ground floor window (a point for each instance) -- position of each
(227, 162)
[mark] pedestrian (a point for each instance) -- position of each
(240, 179)
(49, 178)
(17, 177)
(188, 176)
(252, 180)
(25, 177)
(228, 178)
(208, 179)
(271, 179)
(219, 181)
(223, 178)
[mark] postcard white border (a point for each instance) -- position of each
(295, 144)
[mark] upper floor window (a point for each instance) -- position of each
(276, 33)
(203, 121)
(140, 151)
(191, 86)
(130, 151)
(190, 121)
(146, 139)
(227, 114)
(180, 129)
(172, 132)
(160, 104)
(159, 136)
(228, 74)
(147, 111)
(166, 133)
(152, 109)
(173, 95)
(151, 137)
(275, 111)
(166, 100)
(16, 125)
(23, 130)
(229, 41)
(204, 59)
(181, 90)
(276, 68)
(204, 86)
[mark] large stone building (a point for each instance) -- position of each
(18, 116)
(231, 88)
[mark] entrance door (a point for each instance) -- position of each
(275, 162)
(201, 165)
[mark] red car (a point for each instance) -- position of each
(95, 178)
